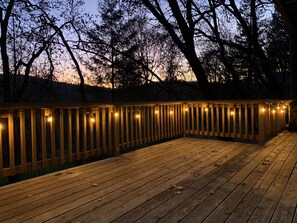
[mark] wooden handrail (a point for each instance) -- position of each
(35, 136)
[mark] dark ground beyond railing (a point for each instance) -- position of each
(35, 136)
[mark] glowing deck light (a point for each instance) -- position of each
(232, 113)
(92, 119)
(116, 114)
(49, 118)
(206, 109)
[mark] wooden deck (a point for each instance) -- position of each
(187, 180)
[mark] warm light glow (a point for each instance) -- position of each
(156, 111)
(263, 109)
(116, 114)
(284, 107)
(137, 116)
(92, 119)
(278, 107)
(206, 109)
(1, 126)
(273, 111)
(232, 113)
(50, 118)
(171, 112)
(186, 109)
(283, 111)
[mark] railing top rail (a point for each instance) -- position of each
(5, 106)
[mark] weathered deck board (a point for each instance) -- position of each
(188, 180)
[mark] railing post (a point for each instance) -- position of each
(262, 124)
(23, 140)
(184, 116)
(53, 137)
(70, 135)
(1, 148)
(77, 135)
(11, 142)
(116, 131)
(33, 140)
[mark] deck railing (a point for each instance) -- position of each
(38, 136)
(254, 121)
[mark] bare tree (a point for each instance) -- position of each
(28, 31)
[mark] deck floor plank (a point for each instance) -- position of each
(199, 206)
(123, 192)
(229, 205)
(85, 184)
(134, 201)
(246, 207)
(187, 179)
(166, 202)
(266, 208)
(45, 181)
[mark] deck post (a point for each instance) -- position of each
(184, 116)
(262, 124)
(116, 131)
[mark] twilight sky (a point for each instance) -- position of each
(91, 6)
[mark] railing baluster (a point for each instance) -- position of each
(77, 135)
(84, 136)
(218, 133)
(253, 120)
(70, 152)
(115, 120)
(1, 148)
(53, 138)
(234, 121)
(23, 140)
(131, 122)
(128, 124)
(91, 124)
(43, 123)
(33, 139)
(240, 121)
(212, 120)
(109, 121)
(125, 126)
(11, 142)
(98, 132)
(122, 130)
(61, 130)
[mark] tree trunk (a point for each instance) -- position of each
(293, 63)
(3, 48)
(293, 77)
(185, 41)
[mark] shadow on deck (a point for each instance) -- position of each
(187, 180)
